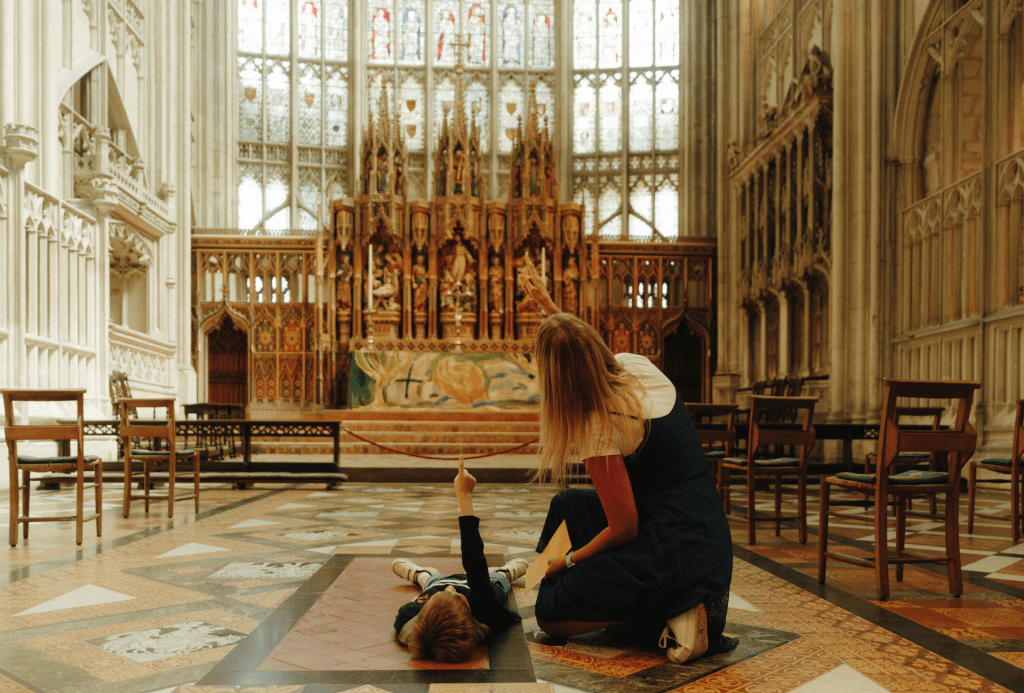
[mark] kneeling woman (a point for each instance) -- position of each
(652, 546)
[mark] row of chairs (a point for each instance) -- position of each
(132, 430)
(890, 478)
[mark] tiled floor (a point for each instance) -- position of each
(289, 589)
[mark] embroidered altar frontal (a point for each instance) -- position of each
(453, 380)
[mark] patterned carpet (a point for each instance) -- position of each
(290, 589)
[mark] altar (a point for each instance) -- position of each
(443, 380)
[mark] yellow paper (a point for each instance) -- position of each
(558, 546)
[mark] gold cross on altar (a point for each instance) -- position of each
(460, 43)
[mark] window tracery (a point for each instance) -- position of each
(625, 104)
(293, 106)
(295, 74)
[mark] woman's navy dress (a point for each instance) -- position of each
(681, 558)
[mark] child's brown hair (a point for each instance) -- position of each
(445, 629)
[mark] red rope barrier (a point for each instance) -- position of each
(433, 457)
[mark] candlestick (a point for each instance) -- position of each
(369, 279)
(543, 268)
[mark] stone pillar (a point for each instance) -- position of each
(21, 146)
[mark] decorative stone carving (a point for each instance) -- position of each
(21, 144)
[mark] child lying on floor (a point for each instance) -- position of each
(455, 613)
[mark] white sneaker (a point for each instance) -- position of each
(407, 570)
(515, 569)
(689, 632)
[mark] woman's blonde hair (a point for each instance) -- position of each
(582, 385)
(445, 630)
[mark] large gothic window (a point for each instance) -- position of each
(293, 109)
(412, 50)
(297, 60)
(625, 118)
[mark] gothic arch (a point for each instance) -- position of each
(916, 89)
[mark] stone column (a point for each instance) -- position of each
(21, 146)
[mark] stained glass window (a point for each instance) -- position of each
(542, 37)
(411, 31)
(511, 33)
(477, 52)
(511, 106)
(379, 27)
(293, 105)
(447, 27)
(626, 109)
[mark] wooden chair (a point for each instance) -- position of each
(910, 460)
(709, 433)
(137, 428)
(763, 433)
(1003, 465)
(73, 463)
(959, 441)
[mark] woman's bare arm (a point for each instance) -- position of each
(612, 483)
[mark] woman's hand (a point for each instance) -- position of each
(464, 481)
(556, 566)
(535, 287)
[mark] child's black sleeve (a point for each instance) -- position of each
(486, 607)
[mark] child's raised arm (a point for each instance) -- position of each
(464, 485)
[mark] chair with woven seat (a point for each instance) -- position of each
(77, 463)
(710, 432)
(763, 433)
(1003, 465)
(958, 441)
(169, 453)
(911, 460)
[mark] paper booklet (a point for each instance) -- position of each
(558, 546)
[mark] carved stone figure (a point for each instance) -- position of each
(385, 285)
(469, 292)
(474, 183)
(735, 155)
(570, 290)
(382, 171)
(534, 185)
(343, 276)
(460, 259)
(458, 171)
(367, 172)
(419, 284)
(399, 175)
(496, 284)
(447, 286)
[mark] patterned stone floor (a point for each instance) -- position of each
(290, 589)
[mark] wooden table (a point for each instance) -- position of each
(246, 430)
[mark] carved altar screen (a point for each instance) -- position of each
(649, 293)
(625, 135)
(293, 104)
(265, 288)
(507, 45)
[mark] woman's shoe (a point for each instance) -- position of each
(407, 570)
(689, 632)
